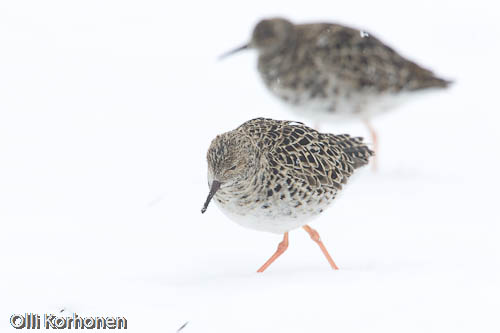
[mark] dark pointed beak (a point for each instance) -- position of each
(215, 187)
(236, 50)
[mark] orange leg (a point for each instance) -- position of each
(315, 237)
(373, 134)
(281, 248)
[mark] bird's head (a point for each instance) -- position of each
(231, 157)
(268, 36)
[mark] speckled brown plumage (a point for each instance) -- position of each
(295, 151)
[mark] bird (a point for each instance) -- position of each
(278, 175)
(331, 72)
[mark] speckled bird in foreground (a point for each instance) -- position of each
(328, 70)
(276, 176)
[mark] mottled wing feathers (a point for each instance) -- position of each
(296, 151)
(363, 60)
(265, 132)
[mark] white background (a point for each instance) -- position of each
(107, 109)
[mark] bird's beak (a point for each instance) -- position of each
(236, 50)
(215, 187)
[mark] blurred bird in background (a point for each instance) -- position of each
(330, 72)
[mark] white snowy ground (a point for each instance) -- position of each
(107, 109)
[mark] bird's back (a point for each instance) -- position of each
(363, 60)
(301, 153)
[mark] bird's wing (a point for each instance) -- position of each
(298, 152)
(364, 61)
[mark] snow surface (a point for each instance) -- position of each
(107, 109)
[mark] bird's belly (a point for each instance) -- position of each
(340, 105)
(276, 216)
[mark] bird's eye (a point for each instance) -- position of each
(232, 168)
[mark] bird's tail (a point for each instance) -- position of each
(355, 148)
(434, 82)
(424, 79)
